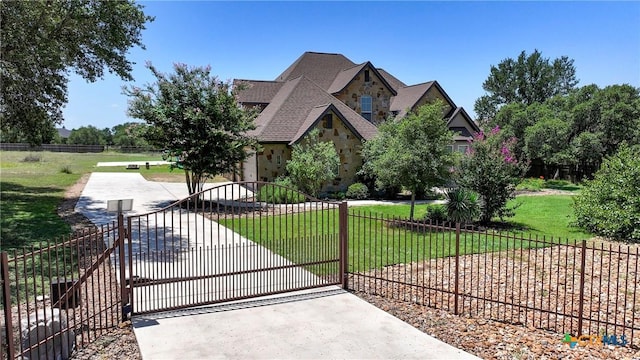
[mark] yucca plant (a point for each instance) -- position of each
(463, 206)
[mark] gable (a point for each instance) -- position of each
(461, 123)
(411, 97)
(297, 106)
(357, 73)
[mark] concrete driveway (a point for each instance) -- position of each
(325, 323)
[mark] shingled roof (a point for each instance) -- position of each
(321, 68)
(256, 91)
(391, 80)
(297, 106)
(409, 96)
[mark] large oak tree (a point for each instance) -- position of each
(42, 41)
(525, 80)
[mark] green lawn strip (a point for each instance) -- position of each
(548, 216)
(375, 242)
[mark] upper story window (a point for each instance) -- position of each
(327, 121)
(365, 107)
(366, 76)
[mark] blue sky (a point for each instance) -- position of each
(454, 43)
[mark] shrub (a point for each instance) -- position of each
(491, 170)
(313, 163)
(463, 206)
(338, 195)
(609, 205)
(281, 191)
(32, 158)
(531, 184)
(66, 170)
(436, 214)
(358, 191)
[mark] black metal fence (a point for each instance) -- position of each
(582, 288)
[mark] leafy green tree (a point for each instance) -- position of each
(130, 134)
(313, 163)
(609, 205)
(492, 171)
(40, 41)
(576, 129)
(86, 135)
(525, 80)
(196, 118)
(411, 152)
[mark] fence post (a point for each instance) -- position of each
(457, 269)
(582, 276)
(6, 304)
(343, 218)
(124, 298)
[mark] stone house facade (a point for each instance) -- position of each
(345, 101)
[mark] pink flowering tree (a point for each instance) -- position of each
(491, 169)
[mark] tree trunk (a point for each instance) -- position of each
(188, 181)
(413, 203)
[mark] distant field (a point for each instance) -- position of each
(32, 185)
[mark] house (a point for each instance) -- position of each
(344, 101)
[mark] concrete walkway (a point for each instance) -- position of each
(324, 323)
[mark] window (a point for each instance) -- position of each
(365, 107)
(449, 149)
(366, 76)
(463, 148)
(327, 121)
(278, 160)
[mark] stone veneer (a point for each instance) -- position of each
(379, 92)
(347, 146)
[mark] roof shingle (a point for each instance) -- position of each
(293, 108)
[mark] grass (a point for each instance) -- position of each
(374, 243)
(32, 186)
(539, 184)
(548, 216)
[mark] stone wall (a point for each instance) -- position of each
(347, 145)
(432, 94)
(380, 95)
(272, 161)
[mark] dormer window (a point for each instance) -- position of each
(366, 76)
(365, 107)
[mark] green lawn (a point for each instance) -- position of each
(374, 243)
(30, 191)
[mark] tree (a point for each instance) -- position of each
(491, 170)
(526, 80)
(576, 129)
(609, 205)
(313, 163)
(411, 152)
(196, 118)
(130, 134)
(40, 41)
(86, 135)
